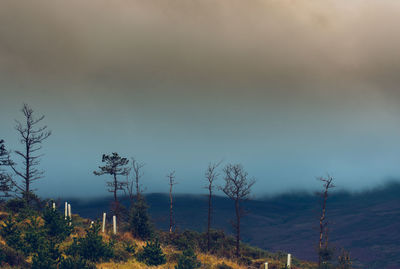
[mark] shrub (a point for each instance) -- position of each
(76, 263)
(12, 234)
(46, 257)
(91, 247)
(139, 220)
(56, 226)
(11, 257)
(152, 254)
(188, 260)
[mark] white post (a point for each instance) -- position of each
(54, 206)
(69, 214)
(115, 224)
(266, 265)
(103, 228)
(66, 210)
(289, 261)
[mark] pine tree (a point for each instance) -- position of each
(152, 254)
(188, 260)
(139, 220)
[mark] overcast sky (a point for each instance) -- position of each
(291, 89)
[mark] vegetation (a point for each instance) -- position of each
(36, 235)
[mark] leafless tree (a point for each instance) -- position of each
(6, 183)
(211, 175)
(323, 223)
(133, 184)
(237, 187)
(31, 137)
(171, 182)
(115, 166)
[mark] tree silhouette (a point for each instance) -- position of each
(211, 175)
(6, 183)
(237, 187)
(115, 166)
(31, 137)
(171, 182)
(323, 250)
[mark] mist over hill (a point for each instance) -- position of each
(365, 223)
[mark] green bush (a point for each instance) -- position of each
(47, 256)
(91, 247)
(76, 263)
(12, 257)
(188, 260)
(139, 220)
(56, 226)
(152, 254)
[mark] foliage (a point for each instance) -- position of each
(91, 247)
(152, 254)
(11, 257)
(76, 263)
(188, 260)
(55, 225)
(47, 256)
(139, 220)
(7, 185)
(12, 234)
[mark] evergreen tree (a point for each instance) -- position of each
(152, 254)
(188, 260)
(139, 220)
(6, 184)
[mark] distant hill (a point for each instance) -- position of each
(367, 224)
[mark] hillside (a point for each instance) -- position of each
(39, 239)
(366, 224)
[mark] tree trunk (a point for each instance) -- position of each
(209, 219)
(170, 209)
(237, 228)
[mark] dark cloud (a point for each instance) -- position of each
(300, 87)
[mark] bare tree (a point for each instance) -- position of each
(115, 166)
(133, 184)
(6, 183)
(31, 137)
(237, 187)
(323, 223)
(171, 182)
(211, 175)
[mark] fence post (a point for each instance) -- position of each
(69, 214)
(289, 261)
(103, 228)
(115, 224)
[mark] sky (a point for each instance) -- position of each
(293, 90)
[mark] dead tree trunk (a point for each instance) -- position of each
(211, 175)
(171, 178)
(237, 187)
(323, 224)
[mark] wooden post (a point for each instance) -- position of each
(115, 224)
(289, 261)
(69, 214)
(66, 210)
(266, 265)
(103, 228)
